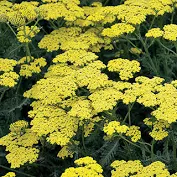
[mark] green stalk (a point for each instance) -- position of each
(3, 92)
(11, 28)
(167, 48)
(148, 54)
(83, 141)
(106, 2)
(128, 113)
(129, 116)
(19, 83)
(151, 26)
(172, 16)
(152, 150)
(34, 26)
(129, 141)
(28, 53)
(174, 147)
(53, 25)
(16, 171)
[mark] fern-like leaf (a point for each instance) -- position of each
(109, 153)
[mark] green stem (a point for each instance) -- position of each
(83, 141)
(53, 25)
(18, 87)
(144, 143)
(150, 26)
(172, 16)
(42, 28)
(152, 150)
(10, 169)
(15, 49)
(131, 42)
(174, 148)
(11, 28)
(106, 2)
(129, 116)
(166, 149)
(129, 141)
(167, 48)
(148, 54)
(28, 53)
(33, 26)
(128, 113)
(3, 92)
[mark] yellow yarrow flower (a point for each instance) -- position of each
(136, 169)
(20, 155)
(155, 33)
(5, 8)
(123, 168)
(65, 152)
(134, 133)
(82, 109)
(148, 122)
(125, 67)
(31, 65)
(166, 99)
(19, 142)
(27, 10)
(115, 127)
(76, 57)
(69, 11)
(18, 126)
(26, 33)
(9, 79)
(7, 65)
(86, 167)
(105, 99)
(118, 30)
(16, 18)
(170, 32)
(61, 70)
(59, 89)
(159, 130)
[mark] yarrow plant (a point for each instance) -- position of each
(88, 88)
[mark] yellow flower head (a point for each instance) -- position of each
(118, 30)
(155, 33)
(125, 67)
(170, 32)
(134, 133)
(86, 167)
(26, 33)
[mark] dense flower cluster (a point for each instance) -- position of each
(118, 30)
(136, 169)
(168, 32)
(26, 33)
(86, 167)
(8, 77)
(125, 67)
(158, 129)
(114, 127)
(30, 65)
(19, 143)
(154, 32)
